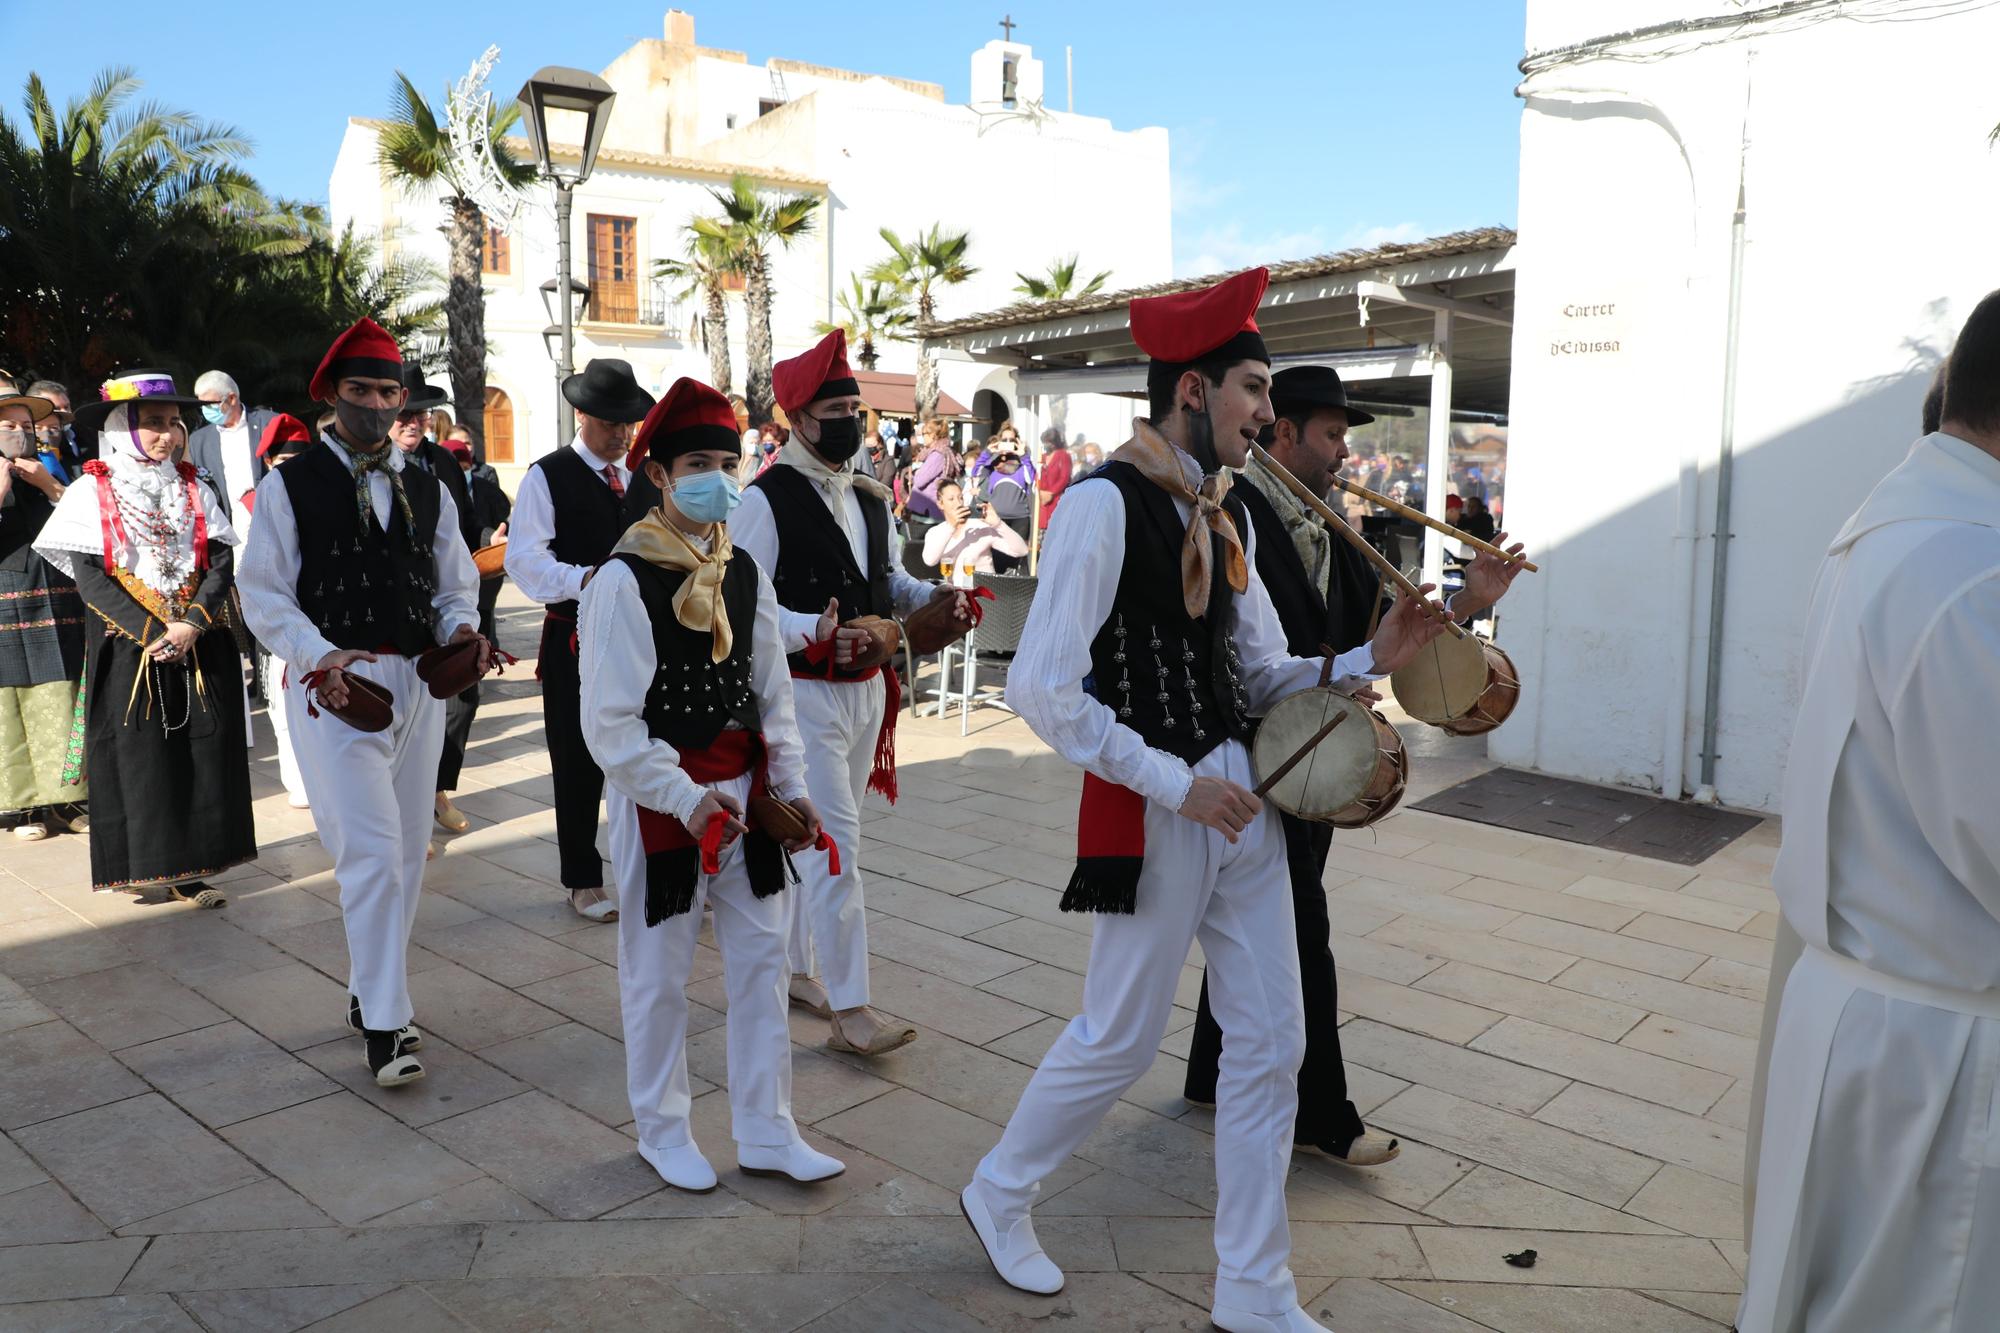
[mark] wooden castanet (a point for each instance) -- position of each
(1354, 774)
(1467, 687)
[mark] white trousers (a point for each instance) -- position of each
(653, 967)
(1237, 900)
(281, 724)
(838, 721)
(372, 795)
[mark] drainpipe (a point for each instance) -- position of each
(1724, 478)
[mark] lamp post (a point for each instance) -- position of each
(576, 103)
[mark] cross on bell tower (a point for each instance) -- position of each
(1007, 26)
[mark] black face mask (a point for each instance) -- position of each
(839, 438)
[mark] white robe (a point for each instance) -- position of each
(1878, 1190)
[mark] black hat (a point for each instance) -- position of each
(422, 395)
(1314, 387)
(131, 387)
(608, 391)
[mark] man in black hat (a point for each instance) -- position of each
(567, 517)
(1325, 593)
(409, 436)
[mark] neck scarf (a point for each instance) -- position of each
(1311, 538)
(796, 454)
(388, 459)
(1161, 463)
(698, 605)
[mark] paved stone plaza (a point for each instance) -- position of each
(1562, 1037)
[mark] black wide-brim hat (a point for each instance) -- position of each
(607, 389)
(130, 387)
(1313, 387)
(422, 396)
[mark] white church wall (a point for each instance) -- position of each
(1869, 189)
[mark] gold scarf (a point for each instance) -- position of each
(1160, 463)
(698, 605)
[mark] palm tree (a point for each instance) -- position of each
(751, 223)
(929, 260)
(707, 266)
(868, 313)
(103, 209)
(415, 150)
(1059, 283)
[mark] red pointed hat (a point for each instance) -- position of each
(689, 416)
(365, 349)
(1189, 326)
(283, 428)
(821, 372)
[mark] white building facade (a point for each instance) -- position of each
(1853, 139)
(1030, 182)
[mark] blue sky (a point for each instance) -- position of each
(1298, 126)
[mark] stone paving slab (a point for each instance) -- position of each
(1561, 1035)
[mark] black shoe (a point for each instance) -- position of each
(386, 1061)
(413, 1040)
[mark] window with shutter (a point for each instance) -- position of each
(614, 269)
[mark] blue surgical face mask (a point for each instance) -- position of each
(214, 413)
(706, 497)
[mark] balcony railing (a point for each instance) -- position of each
(628, 307)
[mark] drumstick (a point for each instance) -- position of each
(1386, 566)
(1359, 491)
(1278, 775)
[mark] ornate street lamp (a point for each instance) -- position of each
(569, 107)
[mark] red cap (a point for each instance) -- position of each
(1187, 326)
(689, 416)
(283, 428)
(365, 349)
(462, 452)
(821, 372)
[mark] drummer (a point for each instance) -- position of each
(1326, 593)
(1139, 668)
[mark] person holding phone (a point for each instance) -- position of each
(962, 545)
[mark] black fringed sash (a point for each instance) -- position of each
(676, 860)
(1110, 849)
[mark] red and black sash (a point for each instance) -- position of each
(882, 770)
(676, 860)
(1110, 849)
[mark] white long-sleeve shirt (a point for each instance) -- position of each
(1086, 541)
(268, 572)
(532, 526)
(618, 663)
(754, 529)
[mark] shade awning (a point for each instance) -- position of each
(891, 395)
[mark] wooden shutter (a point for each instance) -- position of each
(614, 269)
(499, 426)
(497, 258)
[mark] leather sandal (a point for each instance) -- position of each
(864, 1031)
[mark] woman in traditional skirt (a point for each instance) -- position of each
(150, 551)
(41, 642)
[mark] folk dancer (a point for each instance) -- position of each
(821, 532)
(568, 514)
(152, 553)
(354, 567)
(688, 710)
(1878, 1179)
(1324, 593)
(1142, 667)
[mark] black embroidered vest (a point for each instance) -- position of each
(1173, 678)
(693, 697)
(363, 586)
(815, 561)
(589, 519)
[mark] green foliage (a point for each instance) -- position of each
(132, 235)
(1060, 282)
(871, 312)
